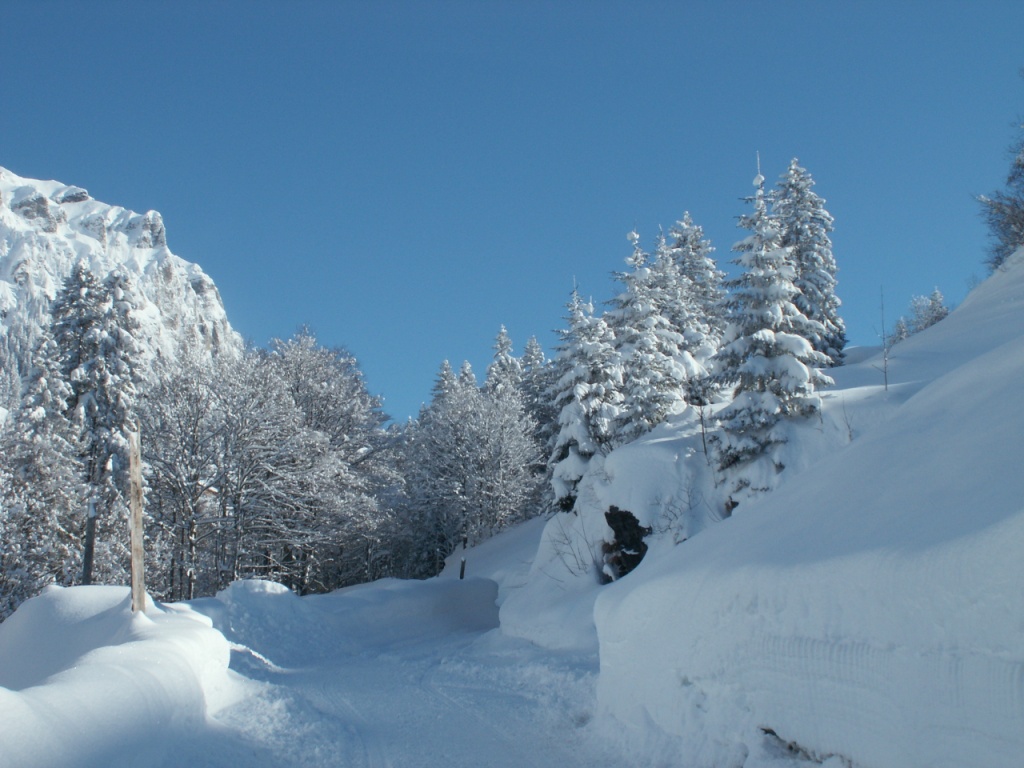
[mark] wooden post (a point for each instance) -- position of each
(90, 543)
(135, 523)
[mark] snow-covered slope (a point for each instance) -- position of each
(871, 608)
(46, 227)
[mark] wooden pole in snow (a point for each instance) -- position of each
(135, 523)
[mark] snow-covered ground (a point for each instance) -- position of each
(868, 611)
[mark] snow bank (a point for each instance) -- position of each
(870, 609)
(85, 682)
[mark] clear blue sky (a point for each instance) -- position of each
(407, 177)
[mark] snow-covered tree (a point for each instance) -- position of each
(588, 397)
(471, 461)
(537, 385)
(805, 226)
(926, 311)
(650, 346)
(767, 359)
(900, 331)
(505, 371)
(93, 328)
(41, 499)
(696, 308)
(1003, 210)
(182, 443)
(328, 388)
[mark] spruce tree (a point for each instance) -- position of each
(805, 226)
(650, 346)
(767, 360)
(697, 312)
(42, 496)
(505, 370)
(93, 327)
(588, 397)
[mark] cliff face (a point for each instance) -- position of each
(46, 227)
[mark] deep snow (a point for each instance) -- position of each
(867, 611)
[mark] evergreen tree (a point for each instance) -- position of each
(655, 365)
(696, 309)
(767, 359)
(588, 397)
(93, 327)
(505, 371)
(537, 386)
(805, 226)
(42, 495)
(926, 311)
(900, 331)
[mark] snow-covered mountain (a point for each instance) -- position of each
(46, 227)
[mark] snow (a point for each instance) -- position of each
(865, 610)
(46, 227)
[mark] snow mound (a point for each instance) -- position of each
(85, 682)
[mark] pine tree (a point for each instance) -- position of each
(697, 307)
(42, 495)
(588, 397)
(767, 359)
(805, 226)
(538, 382)
(655, 365)
(900, 331)
(93, 327)
(505, 371)
(926, 311)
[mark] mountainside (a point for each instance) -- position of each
(46, 227)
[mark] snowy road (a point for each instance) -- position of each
(390, 675)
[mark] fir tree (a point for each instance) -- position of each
(93, 327)
(926, 311)
(505, 370)
(42, 497)
(655, 366)
(805, 226)
(767, 359)
(696, 309)
(588, 397)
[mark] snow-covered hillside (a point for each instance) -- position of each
(869, 607)
(46, 227)
(866, 612)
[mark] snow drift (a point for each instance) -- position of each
(83, 681)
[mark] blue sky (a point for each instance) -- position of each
(407, 177)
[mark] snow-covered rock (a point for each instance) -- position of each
(46, 227)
